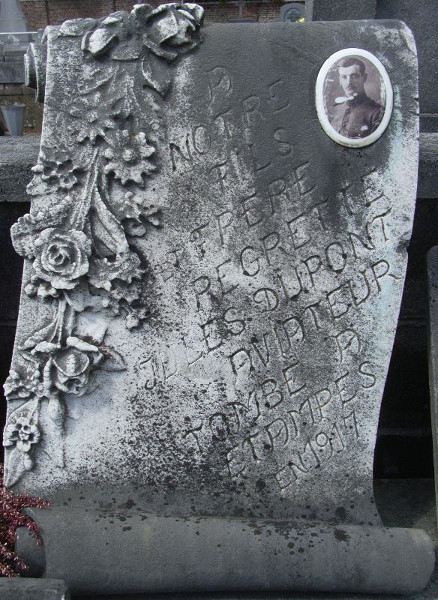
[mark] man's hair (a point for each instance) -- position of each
(349, 61)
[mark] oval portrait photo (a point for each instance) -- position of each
(353, 97)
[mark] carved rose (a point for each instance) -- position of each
(61, 258)
(172, 29)
(21, 432)
(169, 30)
(128, 157)
(70, 367)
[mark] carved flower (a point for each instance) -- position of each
(59, 172)
(70, 367)
(20, 386)
(172, 29)
(21, 432)
(61, 258)
(167, 31)
(109, 274)
(128, 157)
(136, 215)
(92, 118)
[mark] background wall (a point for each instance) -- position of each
(40, 13)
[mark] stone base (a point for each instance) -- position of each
(121, 552)
(33, 589)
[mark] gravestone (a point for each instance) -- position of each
(210, 296)
(292, 11)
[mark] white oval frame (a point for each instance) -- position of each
(319, 100)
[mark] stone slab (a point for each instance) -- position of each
(340, 10)
(260, 267)
(11, 72)
(428, 174)
(17, 157)
(422, 17)
(429, 123)
(401, 502)
(208, 554)
(292, 11)
(249, 345)
(21, 588)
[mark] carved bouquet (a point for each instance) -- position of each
(93, 181)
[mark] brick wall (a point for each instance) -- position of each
(39, 13)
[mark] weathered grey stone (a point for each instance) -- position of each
(17, 157)
(401, 503)
(428, 174)
(187, 192)
(205, 554)
(340, 10)
(11, 72)
(33, 589)
(422, 17)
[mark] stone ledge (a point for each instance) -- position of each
(401, 503)
(15, 90)
(17, 156)
(21, 588)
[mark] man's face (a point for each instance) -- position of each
(352, 80)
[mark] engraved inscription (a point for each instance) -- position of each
(282, 288)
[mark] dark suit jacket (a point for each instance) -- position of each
(357, 118)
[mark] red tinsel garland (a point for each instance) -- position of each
(12, 517)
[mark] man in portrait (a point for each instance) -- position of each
(354, 115)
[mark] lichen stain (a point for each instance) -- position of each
(341, 535)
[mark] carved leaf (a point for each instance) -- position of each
(125, 106)
(129, 50)
(92, 326)
(93, 79)
(113, 360)
(15, 468)
(108, 235)
(22, 234)
(156, 75)
(28, 410)
(46, 334)
(77, 27)
(55, 430)
(80, 298)
(100, 41)
(124, 268)
(75, 342)
(56, 411)
(45, 348)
